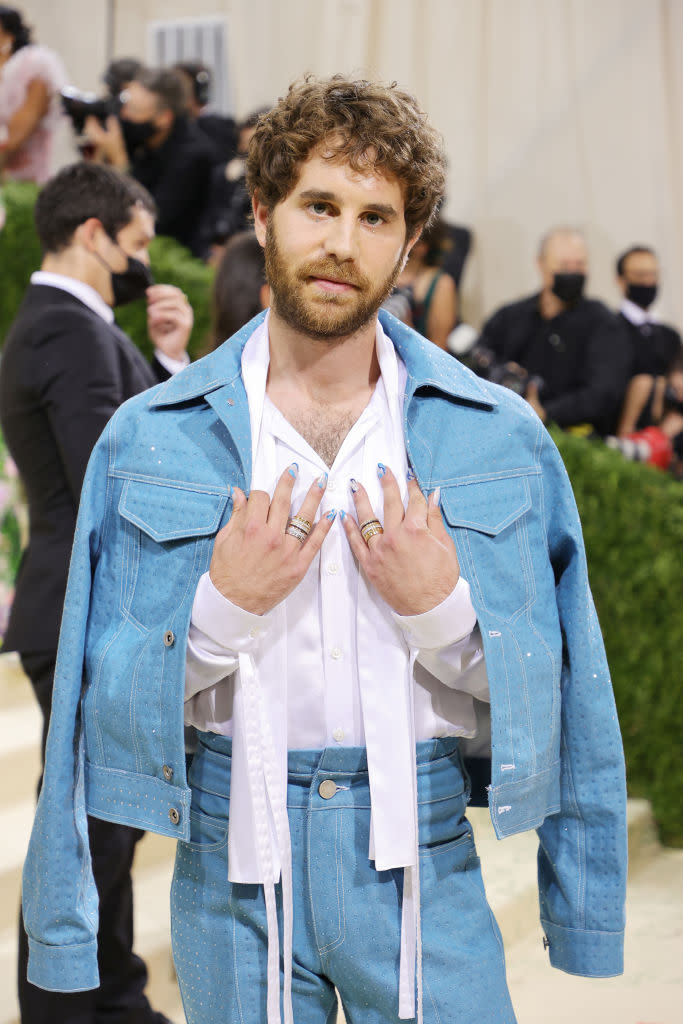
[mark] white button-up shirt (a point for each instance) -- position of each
(332, 664)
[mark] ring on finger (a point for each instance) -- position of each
(370, 529)
(299, 528)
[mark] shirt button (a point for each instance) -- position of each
(174, 815)
(169, 638)
(338, 735)
(253, 633)
(168, 772)
(336, 653)
(327, 789)
(331, 485)
(333, 568)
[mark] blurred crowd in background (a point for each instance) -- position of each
(611, 374)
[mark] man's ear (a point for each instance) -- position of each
(88, 232)
(410, 243)
(261, 213)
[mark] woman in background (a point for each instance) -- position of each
(429, 290)
(31, 78)
(240, 290)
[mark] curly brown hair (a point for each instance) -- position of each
(369, 125)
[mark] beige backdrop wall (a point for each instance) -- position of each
(553, 111)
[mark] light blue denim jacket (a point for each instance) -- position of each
(156, 492)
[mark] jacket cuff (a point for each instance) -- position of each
(448, 623)
(63, 968)
(591, 954)
(225, 623)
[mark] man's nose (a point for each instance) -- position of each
(341, 239)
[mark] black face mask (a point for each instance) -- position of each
(132, 283)
(136, 133)
(568, 287)
(642, 295)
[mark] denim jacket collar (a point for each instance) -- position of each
(427, 366)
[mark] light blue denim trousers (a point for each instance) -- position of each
(347, 915)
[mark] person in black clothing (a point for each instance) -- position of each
(154, 139)
(575, 345)
(66, 367)
(220, 129)
(654, 346)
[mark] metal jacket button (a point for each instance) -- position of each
(169, 638)
(168, 772)
(174, 815)
(327, 789)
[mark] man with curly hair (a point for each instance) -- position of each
(326, 547)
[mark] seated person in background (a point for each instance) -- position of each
(575, 345)
(240, 289)
(30, 80)
(660, 443)
(228, 210)
(220, 129)
(154, 140)
(654, 346)
(430, 290)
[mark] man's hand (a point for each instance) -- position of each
(108, 141)
(534, 401)
(255, 564)
(413, 565)
(169, 320)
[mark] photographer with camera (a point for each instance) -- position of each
(154, 140)
(30, 79)
(574, 346)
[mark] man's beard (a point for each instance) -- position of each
(325, 316)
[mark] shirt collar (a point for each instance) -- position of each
(79, 289)
(635, 314)
(256, 360)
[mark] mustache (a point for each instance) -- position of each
(334, 271)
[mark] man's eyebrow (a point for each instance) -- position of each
(312, 194)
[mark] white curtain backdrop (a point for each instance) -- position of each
(553, 111)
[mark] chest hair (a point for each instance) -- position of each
(324, 429)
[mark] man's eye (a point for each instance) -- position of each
(319, 208)
(373, 219)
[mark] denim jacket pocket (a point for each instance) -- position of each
(168, 531)
(490, 520)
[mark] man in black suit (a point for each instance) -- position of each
(154, 139)
(654, 346)
(573, 344)
(66, 367)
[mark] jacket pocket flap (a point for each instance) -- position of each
(488, 506)
(167, 512)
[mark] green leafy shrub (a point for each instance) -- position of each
(632, 519)
(19, 248)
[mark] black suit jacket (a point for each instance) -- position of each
(63, 372)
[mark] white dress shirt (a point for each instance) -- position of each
(332, 664)
(636, 314)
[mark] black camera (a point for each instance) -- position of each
(80, 105)
(483, 361)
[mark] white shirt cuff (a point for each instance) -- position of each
(446, 624)
(170, 364)
(225, 623)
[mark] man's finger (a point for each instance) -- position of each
(358, 546)
(364, 510)
(313, 543)
(278, 513)
(311, 503)
(416, 511)
(435, 521)
(393, 502)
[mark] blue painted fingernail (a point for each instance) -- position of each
(342, 514)
(322, 480)
(293, 469)
(381, 469)
(436, 495)
(332, 514)
(353, 484)
(410, 475)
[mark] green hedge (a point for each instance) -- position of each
(632, 519)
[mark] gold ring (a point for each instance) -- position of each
(371, 529)
(305, 525)
(294, 531)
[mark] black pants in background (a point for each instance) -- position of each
(120, 998)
